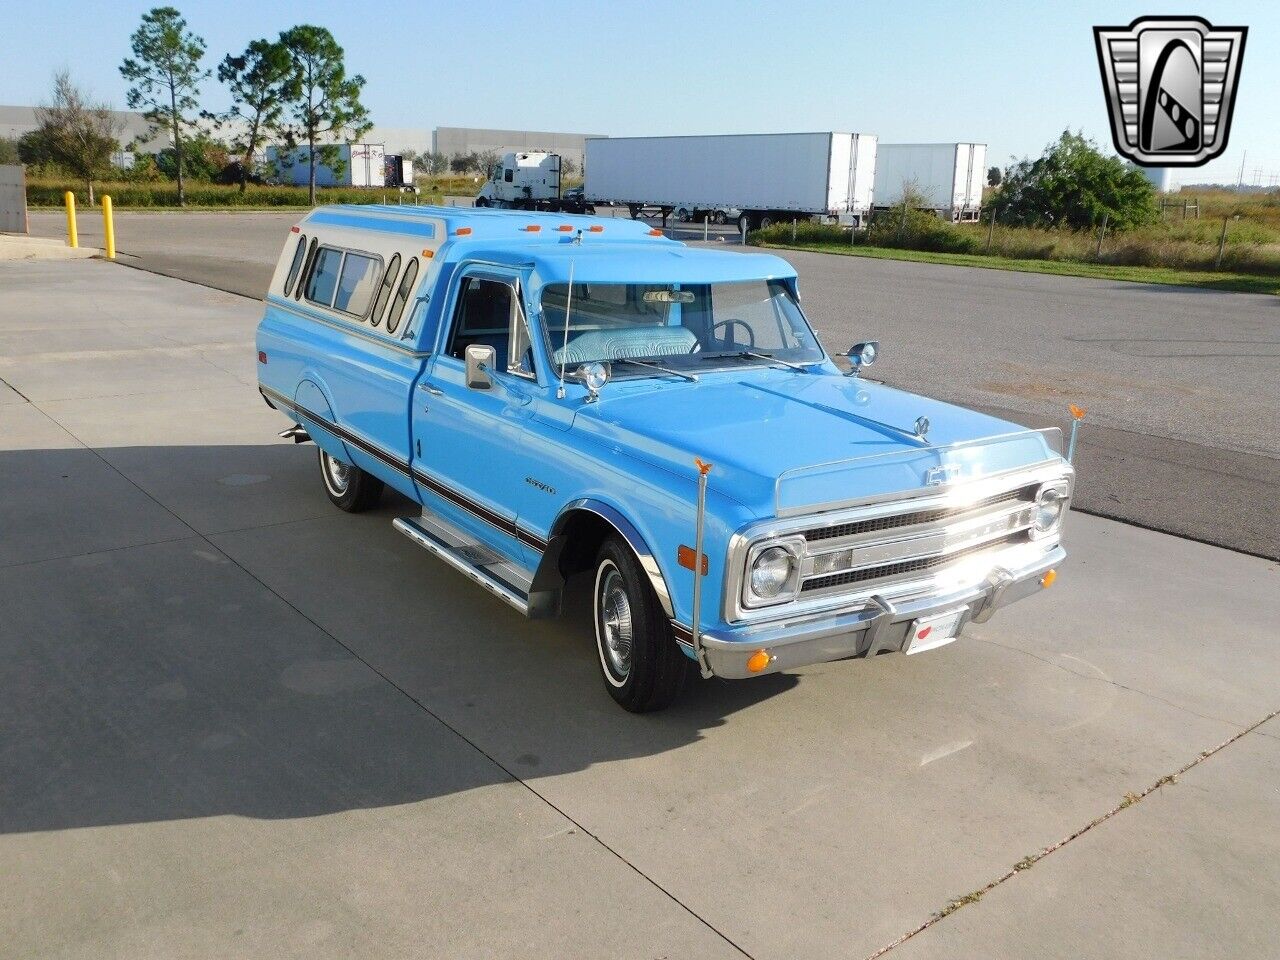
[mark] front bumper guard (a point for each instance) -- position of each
(868, 631)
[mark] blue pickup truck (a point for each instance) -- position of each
(581, 395)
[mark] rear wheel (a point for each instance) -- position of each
(766, 220)
(744, 223)
(643, 667)
(718, 216)
(482, 201)
(349, 487)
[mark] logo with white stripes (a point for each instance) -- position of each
(1171, 86)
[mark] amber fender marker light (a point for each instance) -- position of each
(1048, 579)
(595, 229)
(758, 661)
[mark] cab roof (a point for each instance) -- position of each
(600, 249)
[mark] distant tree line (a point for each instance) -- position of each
(293, 90)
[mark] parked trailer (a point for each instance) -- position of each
(946, 177)
(359, 165)
(763, 178)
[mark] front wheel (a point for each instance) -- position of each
(644, 669)
(349, 487)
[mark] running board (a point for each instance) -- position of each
(430, 533)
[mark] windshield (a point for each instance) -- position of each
(685, 326)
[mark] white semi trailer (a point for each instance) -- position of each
(760, 178)
(946, 178)
(359, 165)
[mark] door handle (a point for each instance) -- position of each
(434, 391)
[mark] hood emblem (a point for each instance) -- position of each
(922, 427)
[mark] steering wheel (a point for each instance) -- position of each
(729, 339)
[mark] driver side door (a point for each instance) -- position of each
(469, 450)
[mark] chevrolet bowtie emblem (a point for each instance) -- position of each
(1171, 86)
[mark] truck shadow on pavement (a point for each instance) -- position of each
(289, 668)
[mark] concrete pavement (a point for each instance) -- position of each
(237, 722)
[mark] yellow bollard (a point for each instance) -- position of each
(108, 227)
(73, 238)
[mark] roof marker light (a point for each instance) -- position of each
(596, 228)
(655, 232)
(564, 228)
(462, 231)
(533, 227)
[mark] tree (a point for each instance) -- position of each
(323, 102)
(434, 163)
(994, 176)
(567, 167)
(485, 161)
(1074, 185)
(9, 151)
(77, 134)
(261, 81)
(462, 162)
(165, 73)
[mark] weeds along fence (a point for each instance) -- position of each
(1251, 246)
(157, 195)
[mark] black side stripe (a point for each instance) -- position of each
(402, 466)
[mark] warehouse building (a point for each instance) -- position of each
(131, 127)
(455, 140)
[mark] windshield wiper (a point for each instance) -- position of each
(752, 355)
(655, 366)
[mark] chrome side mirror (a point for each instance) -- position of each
(862, 355)
(480, 360)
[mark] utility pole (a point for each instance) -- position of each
(1240, 178)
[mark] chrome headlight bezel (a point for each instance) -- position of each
(795, 547)
(1054, 497)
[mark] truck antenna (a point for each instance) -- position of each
(564, 347)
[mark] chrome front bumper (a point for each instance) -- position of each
(867, 632)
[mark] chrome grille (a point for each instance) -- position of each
(918, 565)
(894, 521)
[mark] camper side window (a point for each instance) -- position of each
(507, 176)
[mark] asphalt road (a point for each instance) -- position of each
(236, 722)
(1182, 386)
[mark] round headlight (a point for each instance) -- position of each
(869, 352)
(771, 572)
(1048, 511)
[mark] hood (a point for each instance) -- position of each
(829, 438)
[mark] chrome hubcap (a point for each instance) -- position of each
(337, 473)
(615, 623)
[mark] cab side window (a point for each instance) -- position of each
(487, 311)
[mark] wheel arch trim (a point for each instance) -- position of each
(627, 530)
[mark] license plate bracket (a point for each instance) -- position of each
(927, 633)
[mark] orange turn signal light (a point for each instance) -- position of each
(1048, 579)
(462, 231)
(1076, 412)
(758, 661)
(428, 253)
(684, 557)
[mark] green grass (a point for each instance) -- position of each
(43, 193)
(1213, 280)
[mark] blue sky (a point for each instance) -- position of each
(1010, 74)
